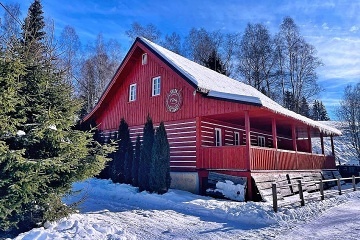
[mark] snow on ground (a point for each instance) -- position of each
(119, 211)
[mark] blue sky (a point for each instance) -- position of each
(332, 26)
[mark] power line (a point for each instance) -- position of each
(9, 12)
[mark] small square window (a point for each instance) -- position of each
(218, 137)
(156, 86)
(261, 141)
(236, 138)
(144, 59)
(132, 92)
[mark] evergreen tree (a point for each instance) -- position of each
(160, 162)
(41, 153)
(323, 113)
(135, 165)
(289, 101)
(319, 112)
(129, 156)
(145, 155)
(118, 164)
(214, 63)
(304, 108)
(33, 32)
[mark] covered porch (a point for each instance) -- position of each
(261, 140)
(261, 158)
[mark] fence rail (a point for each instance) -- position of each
(312, 195)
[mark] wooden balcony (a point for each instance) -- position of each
(234, 157)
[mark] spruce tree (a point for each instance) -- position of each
(214, 63)
(318, 111)
(145, 155)
(135, 165)
(160, 162)
(118, 163)
(129, 156)
(41, 152)
(304, 108)
(323, 113)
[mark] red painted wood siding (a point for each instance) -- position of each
(117, 104)
(182, 140)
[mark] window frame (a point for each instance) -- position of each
(218, 137)
(144, 59)
(156, 87)
(236, 138)
(261, 141)
(132, 92)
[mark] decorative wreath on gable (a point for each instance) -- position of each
(173, 100)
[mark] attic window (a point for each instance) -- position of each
(144, 59)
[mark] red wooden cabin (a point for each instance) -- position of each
(214, 123)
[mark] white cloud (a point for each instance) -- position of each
(354, 29)
(325, 26)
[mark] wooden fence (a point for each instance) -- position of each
(319, 195)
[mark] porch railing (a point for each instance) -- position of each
(278, 159)
(234, 157)
(224, 157)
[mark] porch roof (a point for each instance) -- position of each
(214, 84)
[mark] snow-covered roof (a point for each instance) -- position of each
(220, 86)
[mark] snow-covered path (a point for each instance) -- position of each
(118, 211)
(341, 222)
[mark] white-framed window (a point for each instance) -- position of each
(144, 59)
(236, 138)
(261, 141)
(156, 81)
(132, 92)
(218, 137)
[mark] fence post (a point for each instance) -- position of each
(354, 183)
(339, 185)
(322, 189)
(301, 194)
(274, 193)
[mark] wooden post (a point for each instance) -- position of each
(275, 143)
(322, 143)
(353, 182)
(248, 155)
(293, 134)
(309, 139)
(274, 193)
(274, 133)
(248, 139)
(322, 190)
(301, 194)
(332, 145)
(339, 185)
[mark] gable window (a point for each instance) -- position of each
(236, 138)
(217, 137)
(261, 141)
(132, 92)
(144, 59)
(156, 86)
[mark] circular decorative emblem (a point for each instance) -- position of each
(173, 100)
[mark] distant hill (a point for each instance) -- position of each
(344, 151)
